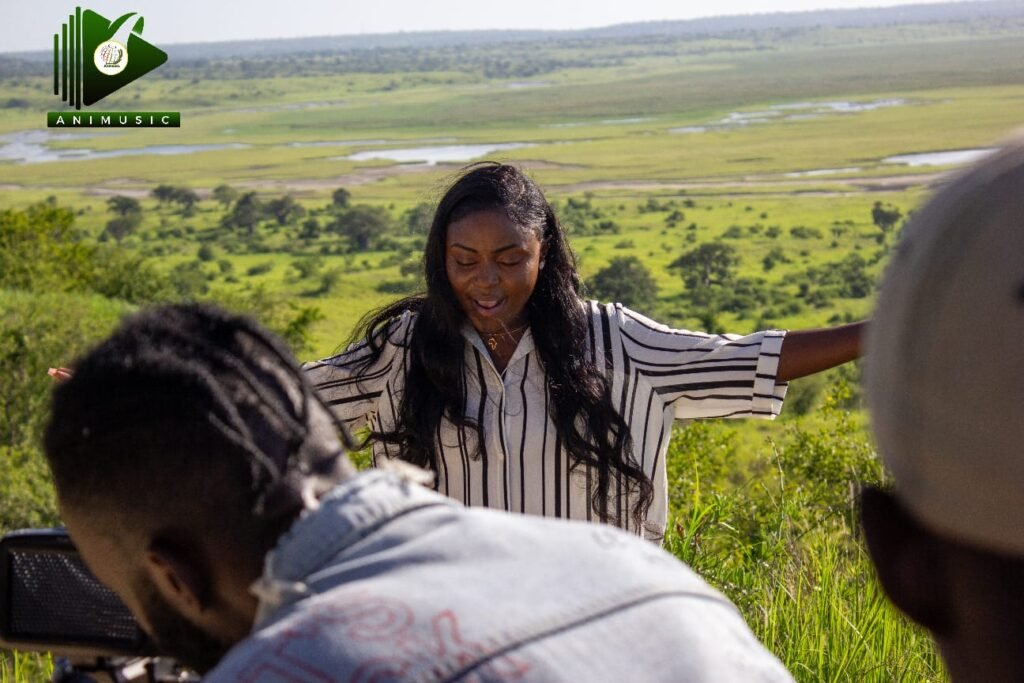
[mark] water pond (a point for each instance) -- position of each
(821, 171)
(954, 157)
(435, 155)
(790, 111)
(33, 146)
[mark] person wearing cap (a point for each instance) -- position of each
(945, 387)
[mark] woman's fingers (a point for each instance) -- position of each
(59, 374)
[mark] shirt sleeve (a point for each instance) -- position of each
(354, 389)
(706, 375)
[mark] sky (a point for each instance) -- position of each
(26, 25)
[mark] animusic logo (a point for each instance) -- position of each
(94, 57)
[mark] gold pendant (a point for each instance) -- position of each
(492, 342)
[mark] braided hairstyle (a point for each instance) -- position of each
(594, 433)
(191, 417)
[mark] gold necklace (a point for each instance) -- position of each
(492, 339)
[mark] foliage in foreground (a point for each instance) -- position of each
(24, 667)
(778, 534)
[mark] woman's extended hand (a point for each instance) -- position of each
(59, 374)
(805, 352)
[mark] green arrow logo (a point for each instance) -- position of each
(99, 56)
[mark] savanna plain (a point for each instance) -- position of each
(728, 183)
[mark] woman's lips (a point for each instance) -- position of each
(488, 306)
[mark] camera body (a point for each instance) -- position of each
(51, 602)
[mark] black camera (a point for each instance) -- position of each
(50, 602)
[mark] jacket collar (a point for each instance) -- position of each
(349, 513)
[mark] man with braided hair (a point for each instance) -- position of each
(203, 481)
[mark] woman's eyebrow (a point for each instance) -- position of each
(456, 245)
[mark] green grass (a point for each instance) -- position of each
(18, 667)
(773, 525)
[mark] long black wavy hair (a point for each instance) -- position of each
(594, 433)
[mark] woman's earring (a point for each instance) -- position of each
(542, 263)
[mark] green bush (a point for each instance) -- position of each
(625, 280)
(39, 331)
(26, 490)
(776, 531)
(259, 269)
(801, 232)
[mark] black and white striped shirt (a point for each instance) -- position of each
(658, 375)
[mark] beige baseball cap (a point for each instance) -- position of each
(945, 358)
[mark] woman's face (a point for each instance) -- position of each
(492, 266)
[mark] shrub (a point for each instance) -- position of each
(362, 225)
(801, 232)
(189, 280)
(260, 269)
(26, 490)
(309, 266)
(776, 255)
(625, 280)
(734, 232)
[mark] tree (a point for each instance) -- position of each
(625, 280)
(122, 226)
(246, 214)
(310, 228)
(854, 278)
(225, 194)
(711, 263)
(124, 275)
(285, 209)
(885, 216)
(186, 198)
(341, 198)
(776, 255)
(163, 193)
(362, 224)
(124, 206)
(39, 250)
(419, 218)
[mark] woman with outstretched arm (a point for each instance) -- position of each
(521, 395)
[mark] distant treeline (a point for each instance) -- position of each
(520, 53)
(709, 27)
(517, 61)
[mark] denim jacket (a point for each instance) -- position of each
(387, 581)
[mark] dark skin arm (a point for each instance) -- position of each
(805, 352)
